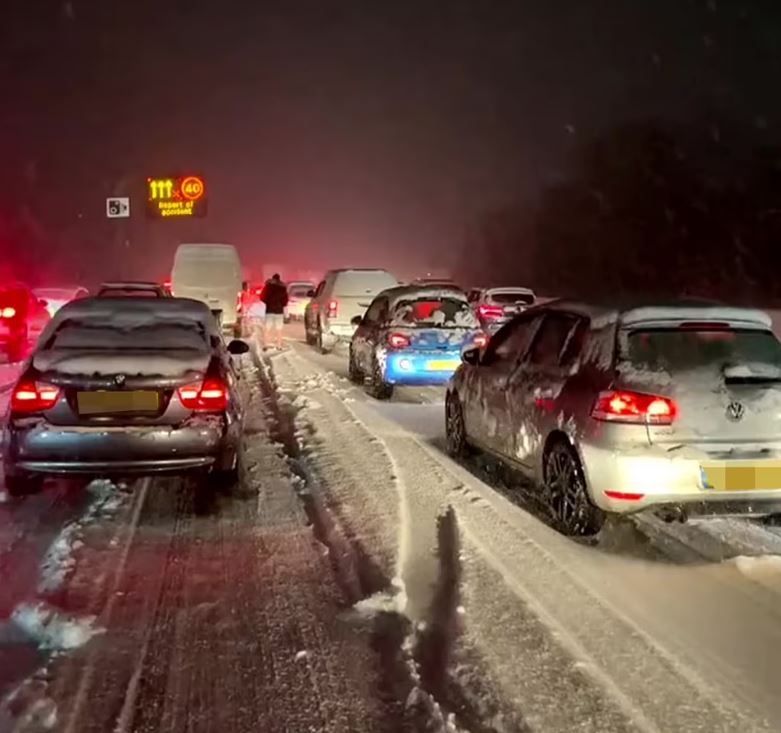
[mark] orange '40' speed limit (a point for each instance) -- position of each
(176, 196)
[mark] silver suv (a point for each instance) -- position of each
(672, 408)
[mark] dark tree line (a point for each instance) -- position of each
(650, 209)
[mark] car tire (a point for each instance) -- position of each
(308, 334)
(378, 387)
(228, 479)
(319, 342)
(353, 370)
(23, 484)
(565, 488)
(455, 427)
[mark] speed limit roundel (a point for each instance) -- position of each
(192, 188)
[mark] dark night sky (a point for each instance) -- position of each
(339, 133)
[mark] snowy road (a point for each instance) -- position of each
(359, 580)
(660, 628)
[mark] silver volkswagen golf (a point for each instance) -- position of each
(670, 408)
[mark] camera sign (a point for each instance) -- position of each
(118, 208)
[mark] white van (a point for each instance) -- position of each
(210, 273)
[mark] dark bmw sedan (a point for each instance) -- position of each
(120, 386)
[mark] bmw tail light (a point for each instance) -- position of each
(398, 340)
(210, 395)
(30, 397)
(635, 407)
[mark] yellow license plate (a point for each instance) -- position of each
(109, 403)
(442, 365)
(742, 476)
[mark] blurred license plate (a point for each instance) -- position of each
(760, 476)
(107, 403)
(442, 365)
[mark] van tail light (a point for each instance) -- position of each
(30, 397)
(488, 312)
(480, 340)
(635, 407)
(333, 308)
(211, 395)
(7, 312)
(398, 340)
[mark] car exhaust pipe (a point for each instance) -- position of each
(673, 514)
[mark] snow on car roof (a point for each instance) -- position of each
(130, 313)
(417, 292)
(661, 312)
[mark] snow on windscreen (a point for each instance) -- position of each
(357, 283)
(679, 350)
(429, 312)
(136, 337)
(507, 297)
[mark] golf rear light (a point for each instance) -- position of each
(480, 340)
(31, 397)
(635, 407)
(490, 311)
(623, 496)
(7, 312)
(333, 308)
(398, 340)
(207, 396)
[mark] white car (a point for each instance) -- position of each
(299, 294)
(55, 298)
(339, 298)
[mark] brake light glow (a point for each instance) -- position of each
(7, 312)
(480, 340)
(207, 396)
(623, 496)
(31, 397)
(490, 311)
(398, 340)
(635, 407)
(333, 308)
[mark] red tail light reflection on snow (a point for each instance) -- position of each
(398, 340)
(207, 396)
(635, 407)
(32, 397)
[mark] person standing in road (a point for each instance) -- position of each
(275, 298)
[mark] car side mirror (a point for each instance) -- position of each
(310, 293)
(471, 356)
(356, 321)
(237, 347)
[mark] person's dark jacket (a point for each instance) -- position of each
(275, 297)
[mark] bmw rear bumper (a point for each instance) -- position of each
(51, 449)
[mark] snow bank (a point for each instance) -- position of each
(51, 629)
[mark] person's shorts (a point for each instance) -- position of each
(275, 321)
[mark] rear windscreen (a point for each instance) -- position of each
(683, 349)
(353, 284)
(434, 313)
(299, 291)
(153, 337)
(512, 298)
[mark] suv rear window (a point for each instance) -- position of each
(300, 291)
(369, 282)
(676, 350)
(434, 313)
(511, 298)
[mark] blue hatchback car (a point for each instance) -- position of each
(412, 335)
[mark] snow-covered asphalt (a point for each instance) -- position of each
(659, 627)
(357, 579)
